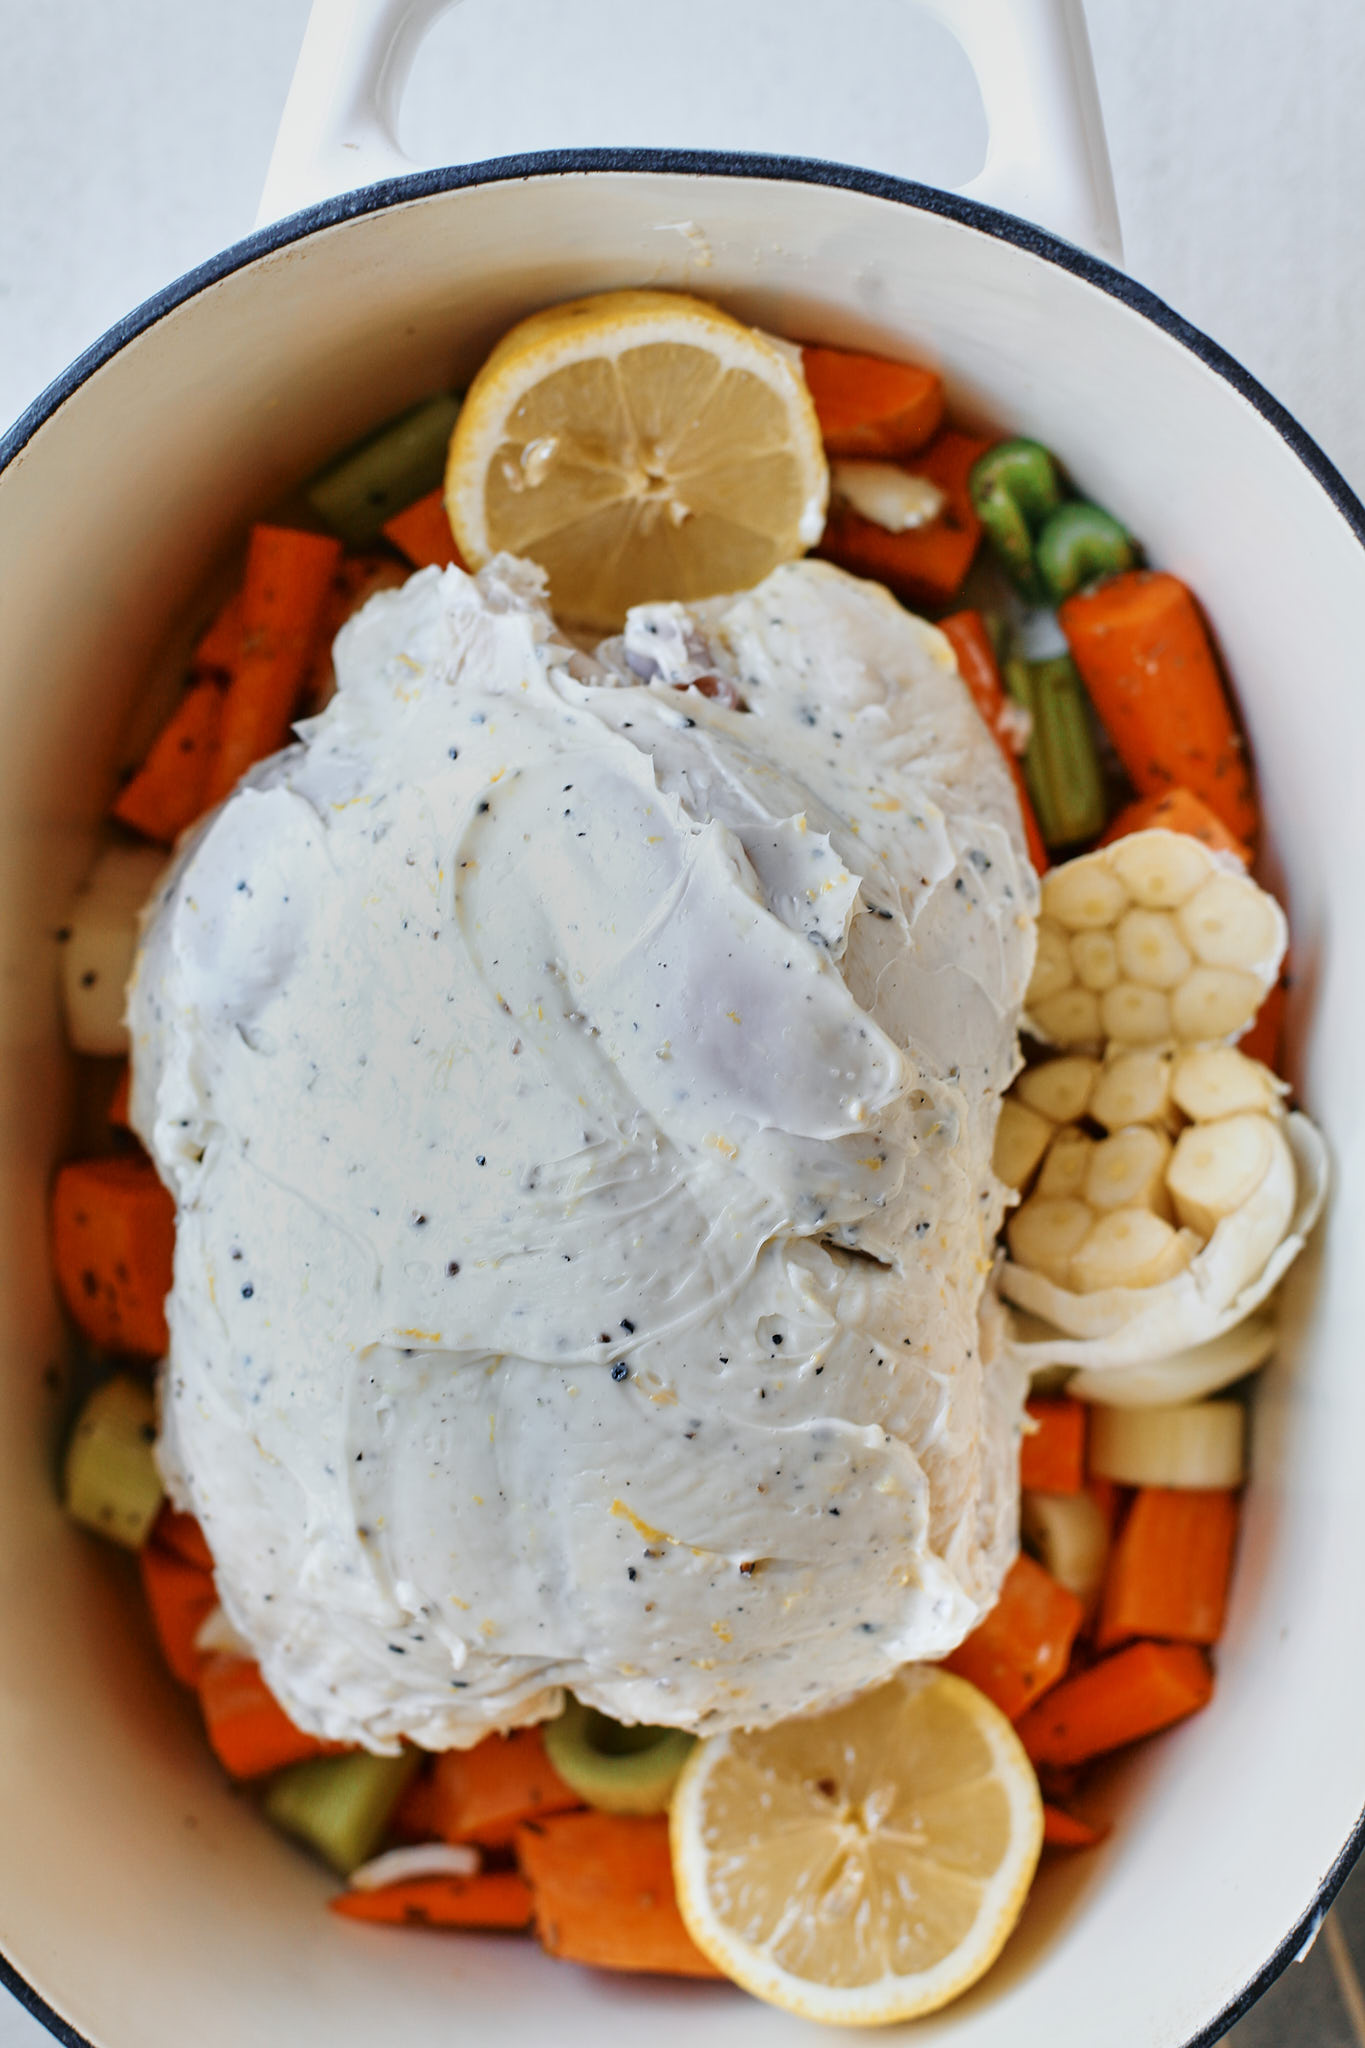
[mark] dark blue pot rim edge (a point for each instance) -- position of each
(968, 213)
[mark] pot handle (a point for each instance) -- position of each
(1045, 159)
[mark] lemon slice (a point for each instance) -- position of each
(864, 1865)
(637, 445)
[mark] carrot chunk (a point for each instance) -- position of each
(1125, 1696)
(416, 1818)
(869, 406)
(288, 576)
(1146, 659)
(1063, 1830)
(167, 792)
(495, 1898)
(1024, 1644)
(113, 1242)
(979, 670)
(216, 652)
(603, 1888)
(1265, 1040)
(1178, 810)
(480, 1794)
(422, 532)
(1170, 1568)
(1052, 1457)
(181, 1596)
(118, 1102)
(926, 564)
(248, 1729)
(183, 1535)
(357, 579)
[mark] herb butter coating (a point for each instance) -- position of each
(578, 1092)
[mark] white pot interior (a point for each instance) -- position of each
(139, 1896)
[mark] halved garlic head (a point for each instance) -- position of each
(1152, 940)
(1251, 1185)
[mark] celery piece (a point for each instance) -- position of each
(1015, 490)
(617, 1768)
(111, 1483)
(340, 1805)
(1060, 764)
(1080, 544)
(402, 461)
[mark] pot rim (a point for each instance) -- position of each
(970, 213)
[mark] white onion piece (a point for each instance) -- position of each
(423, 1859)
(1197, 1445)
(1070, 1533)
(100, 940)
(1186, 1375)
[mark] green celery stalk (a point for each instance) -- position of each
(110, 1480)
(1060, 765)
(340, 1805)
(401, 462)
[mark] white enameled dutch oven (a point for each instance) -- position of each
(141, 1904)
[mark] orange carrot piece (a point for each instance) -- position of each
(167, 792)
(1052, 1458)
(183, 1535)
(288, 576)
(181, 1596)
(1145, 657)
(113, 1241)
(603, 1886)
(495, 1898)
(977, 665)
(481, 1794)
(869, 406)
(1024, 1644)
(357, 579)
(1169, 1571)
(422, 532)
(1177, 810)
(1265, 1040)
(927, 564)
(416, 1818)
(1063, 1830)
(1108, 1497)
(248, 1729)
(1123, 1697)
(216, 652)
(117, 1112)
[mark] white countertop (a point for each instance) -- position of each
(134, 138)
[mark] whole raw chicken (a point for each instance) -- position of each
(577, 1076)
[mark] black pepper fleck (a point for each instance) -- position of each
(620, 1370)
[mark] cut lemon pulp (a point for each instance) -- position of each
(638, 445)
(864, 1865)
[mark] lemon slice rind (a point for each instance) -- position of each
(703, 1868)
